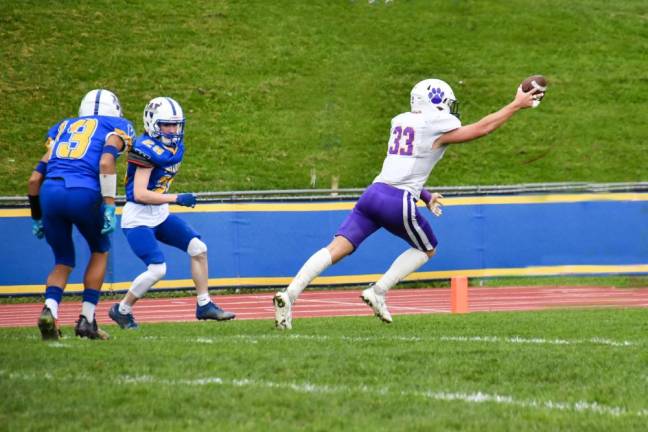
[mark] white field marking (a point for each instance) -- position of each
(305, 387)
(483, 339)
(539, 341)
(58, 345)
(294, 336)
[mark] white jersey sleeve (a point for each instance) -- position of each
(410, 156)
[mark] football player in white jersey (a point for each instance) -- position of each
(418, 140)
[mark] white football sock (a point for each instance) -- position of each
(406, 263)
(88, 311)
(315, 265)
(125, 308)
(53, 307)
(203, 299)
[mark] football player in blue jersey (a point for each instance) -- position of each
(153, 162)
(75, 184)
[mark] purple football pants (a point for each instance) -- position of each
(384, 206)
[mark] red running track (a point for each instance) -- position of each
(347, 303)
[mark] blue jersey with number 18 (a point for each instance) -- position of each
(77, 144)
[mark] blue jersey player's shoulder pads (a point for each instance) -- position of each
(156, 152)
(122, 127)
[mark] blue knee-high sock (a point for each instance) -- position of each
(53, 295)
(90, 300)
(53, 292)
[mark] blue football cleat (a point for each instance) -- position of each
(125, 321)
(212, 312)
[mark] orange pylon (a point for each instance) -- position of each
(459, 294)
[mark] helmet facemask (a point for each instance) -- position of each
(170, 138)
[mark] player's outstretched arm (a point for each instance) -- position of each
(489, 123)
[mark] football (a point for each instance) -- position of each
(537, 82)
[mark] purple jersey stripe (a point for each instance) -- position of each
(413, 232)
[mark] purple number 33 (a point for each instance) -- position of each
(409, 146)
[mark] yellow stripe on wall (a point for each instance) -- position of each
(354, 279)
(348, 205)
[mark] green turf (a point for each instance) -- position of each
(553, 370)
(275, 91)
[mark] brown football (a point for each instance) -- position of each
(537, 82)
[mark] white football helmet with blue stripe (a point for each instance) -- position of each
(100, 102)
(164, 110)
(434, 94)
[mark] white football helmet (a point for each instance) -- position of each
(100, 102)
(434, 94)
(163, 110)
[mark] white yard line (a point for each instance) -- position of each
(595, 340)
(460, 339)
(476, 397)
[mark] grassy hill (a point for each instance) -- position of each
(276, 92)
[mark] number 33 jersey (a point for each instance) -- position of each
(410, 156)
(77, 145)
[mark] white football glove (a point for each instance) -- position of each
(435, 204)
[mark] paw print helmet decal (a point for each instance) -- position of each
(434, 94)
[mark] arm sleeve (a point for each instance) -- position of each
(426, 196)
(139, 158)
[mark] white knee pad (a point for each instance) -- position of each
(196, 247)
(157, 270)
(146, 280)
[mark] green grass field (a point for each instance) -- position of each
(277, 91)
(554, 370)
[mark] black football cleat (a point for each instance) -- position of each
(83, 328)
(48, 325)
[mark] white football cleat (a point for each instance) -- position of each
(283, 313)
(377, 304)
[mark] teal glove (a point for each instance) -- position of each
(110, 221)
(37, 228)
